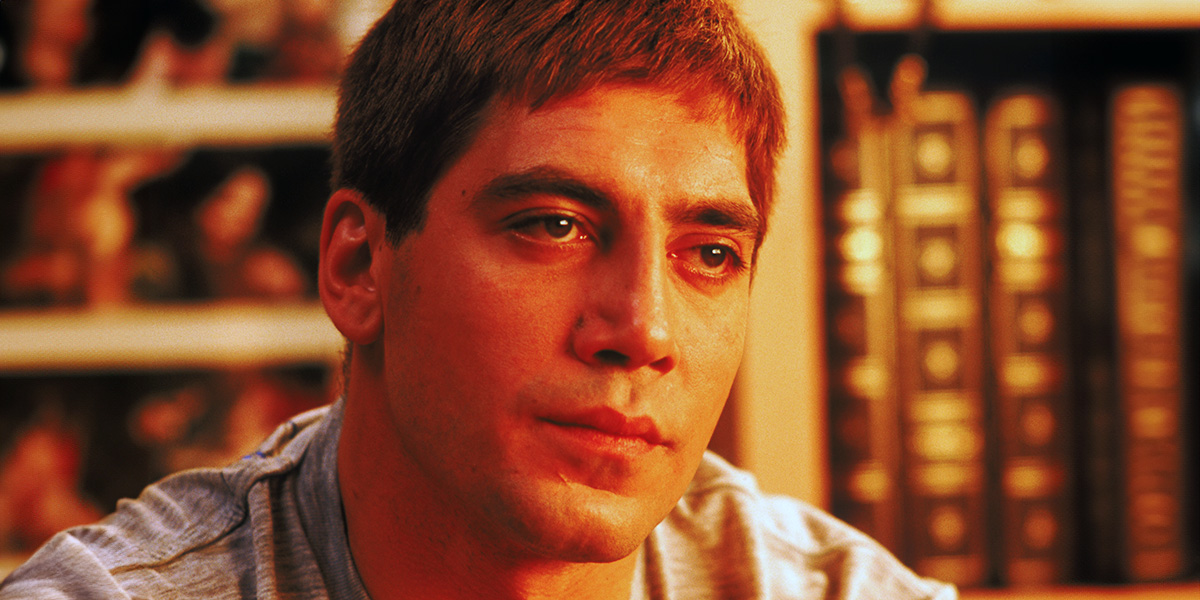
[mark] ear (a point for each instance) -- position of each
(351, 233)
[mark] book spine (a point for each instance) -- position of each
(1030, 354)
(863, 419)
(939, 303)
(1147, 126)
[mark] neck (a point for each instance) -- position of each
(409, 540)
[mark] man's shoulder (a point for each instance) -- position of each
(188, 524)
(774, 546)
(797, 527)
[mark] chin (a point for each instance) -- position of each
(597, 546)
(592, 527)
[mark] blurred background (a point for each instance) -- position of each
(971, 332)
(163, 166)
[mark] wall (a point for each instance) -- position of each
(780, 393)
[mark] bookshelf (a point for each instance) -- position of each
(780, 395)
(177, 335)
(152, 115)
(780, 424)
(171, 336)
(1015, 14)
(118, 361)
(1166, 591)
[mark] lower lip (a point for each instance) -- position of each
(599, 442)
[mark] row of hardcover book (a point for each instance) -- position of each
(1006, 343)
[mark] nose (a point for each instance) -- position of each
(628, 317)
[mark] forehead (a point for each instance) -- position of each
(618, 134)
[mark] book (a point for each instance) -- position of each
(864, 423)
(1126, 417)
(1147, 204)
(1029, 339)
(938, 262)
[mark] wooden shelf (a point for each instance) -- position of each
(1166, 591)
(152, 337)
(155, 337)
(225, 116)
(1018, 14)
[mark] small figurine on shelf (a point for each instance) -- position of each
(48, 268)
(80, 246)
(135, 41)
(234, 260)
(106, 222)
(207, 63)
(40, 474)
(56, 30)
(279, 40)
(164, 61)
(215, 419)
(308, 49)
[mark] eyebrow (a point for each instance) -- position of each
(544, 181)
(734, 215)
(738, 216)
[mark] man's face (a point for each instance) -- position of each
(561, 335)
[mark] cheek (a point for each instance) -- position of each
(713, 344)
(714, 333)
(485, 336)
(486, 325)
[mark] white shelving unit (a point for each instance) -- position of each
(148, 337)
(151, 115)
(175, 336)
(145, 338)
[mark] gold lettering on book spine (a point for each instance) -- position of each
(1029, 352)
(863, 419)
(1147, 205)
(938, 266)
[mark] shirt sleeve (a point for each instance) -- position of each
(62, 569)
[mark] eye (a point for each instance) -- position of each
(714, 256)
(714, 261)
(550, 228)
(558, 227)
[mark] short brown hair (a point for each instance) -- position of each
(415, 87)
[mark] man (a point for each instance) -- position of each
(540, 250)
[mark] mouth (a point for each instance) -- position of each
(610, 428)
